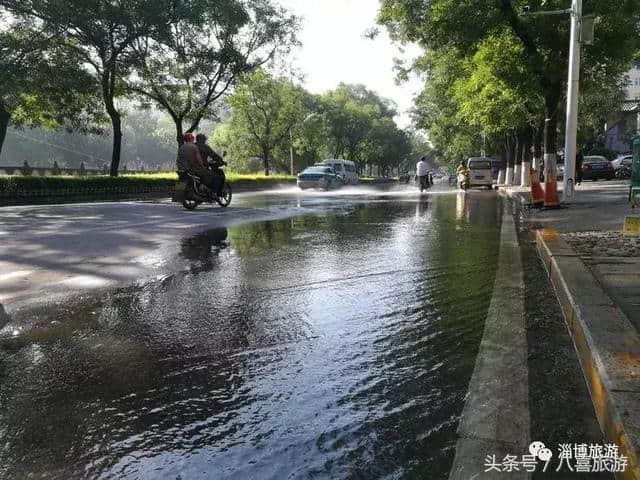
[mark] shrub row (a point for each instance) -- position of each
(25, 186)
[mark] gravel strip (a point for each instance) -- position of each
(603, 244)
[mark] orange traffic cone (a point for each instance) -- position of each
(551, 189)
(537, 194)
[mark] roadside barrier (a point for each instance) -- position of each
(551, 199)
(537, 194)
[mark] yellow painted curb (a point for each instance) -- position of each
(608, 346)
(631, 226)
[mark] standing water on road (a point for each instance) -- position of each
(337, 345)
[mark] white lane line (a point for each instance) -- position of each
(16, 274)
(495, 419)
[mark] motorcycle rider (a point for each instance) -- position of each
(189, 160)
(463, 170)
(216, 162)
(422, 172)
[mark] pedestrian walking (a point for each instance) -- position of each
(579, 160)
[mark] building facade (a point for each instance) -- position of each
(633, 89)
(625, 124)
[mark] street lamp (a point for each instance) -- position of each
(311, 115)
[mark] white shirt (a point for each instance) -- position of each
(422, 169)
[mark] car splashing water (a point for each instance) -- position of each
(325, 346)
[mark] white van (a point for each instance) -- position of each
(345, 168)
(480, 173)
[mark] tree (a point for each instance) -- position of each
(41, 84)
(350, 111)
(102, 33)
(238, 145)
(462, 25)
(437, 111)
(263, 112)
(187, 68)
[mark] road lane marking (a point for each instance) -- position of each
(495, 419)
(16, 274)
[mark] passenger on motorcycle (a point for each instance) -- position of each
(462, 168)
(216, 162)
(190, 161)
(463, 175)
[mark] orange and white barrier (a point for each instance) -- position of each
(537, 194)
(551, 199)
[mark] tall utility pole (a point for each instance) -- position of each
(572, 103)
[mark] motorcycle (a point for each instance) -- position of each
(463, 181)
(423, 182)
(194, 192)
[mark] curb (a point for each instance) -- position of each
(607, 344)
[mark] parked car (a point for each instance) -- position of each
(344, 168)
(595, 167)
(623, 161)
(320, 176)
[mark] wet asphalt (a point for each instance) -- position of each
(337, 343)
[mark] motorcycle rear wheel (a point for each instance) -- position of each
(189, 202)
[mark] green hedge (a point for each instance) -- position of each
(30, 186)
(377, 181)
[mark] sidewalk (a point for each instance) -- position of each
(596, 274)
(592, 225)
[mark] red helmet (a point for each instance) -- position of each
(188, 137)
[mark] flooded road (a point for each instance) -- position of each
(332, 345)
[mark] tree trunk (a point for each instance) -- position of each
(265, 159)
(179, 131)
(517, 171)
(511, 153)
(551, 133)
(521, 147)
(116, 123)
(4, 125)
(526, 158)
(538, 138)
(551, 129)
(108, 93)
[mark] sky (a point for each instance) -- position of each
(335, 50)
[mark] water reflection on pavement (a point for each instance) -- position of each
(326, 346)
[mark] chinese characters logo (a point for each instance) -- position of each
(578, 457)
